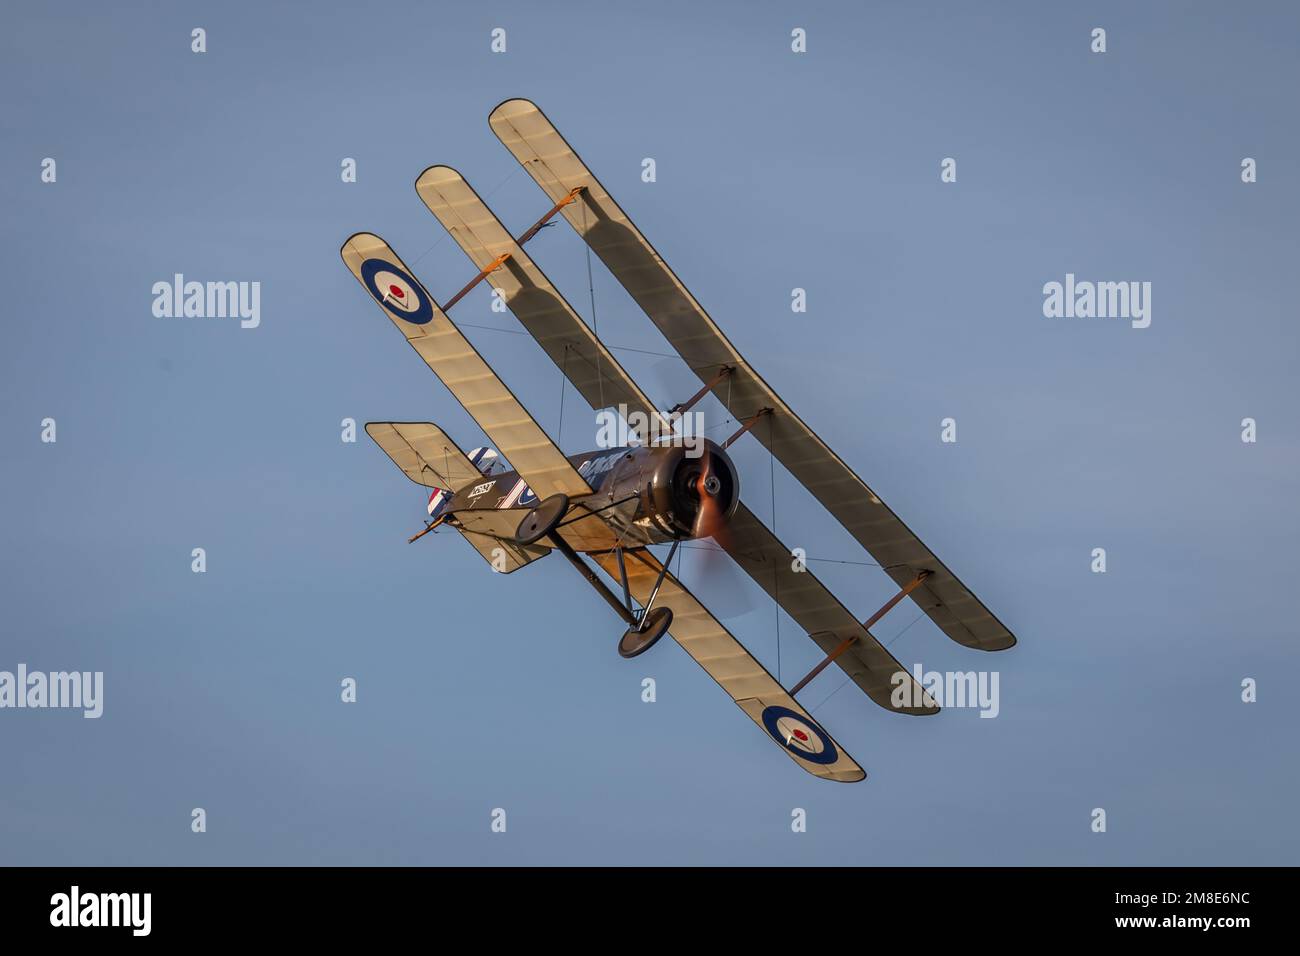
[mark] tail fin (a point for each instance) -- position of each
(487, 460)
(428, 457)
(438, 500)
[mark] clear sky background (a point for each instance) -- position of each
(775, 171)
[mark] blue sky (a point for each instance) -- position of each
(775, 171)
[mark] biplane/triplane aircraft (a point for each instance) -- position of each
(613, 503)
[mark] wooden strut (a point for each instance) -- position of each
(537, 226)
(749, 423)
(684, 407)
(844, 645)
(500, 260)
(487, 271)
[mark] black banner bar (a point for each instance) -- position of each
(332, 905)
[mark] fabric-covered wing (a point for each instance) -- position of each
(748, 683)
(537, 304)
(491, 533)
(765, 559)
(543, 152)
(425, 454)
(454, 360)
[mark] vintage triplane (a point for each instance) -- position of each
(612, 504)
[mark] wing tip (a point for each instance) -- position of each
(1003, 642)
(835, 775)
(362, 234)
(916, 711)
(514, 102)
(922, 710)
(439, 167)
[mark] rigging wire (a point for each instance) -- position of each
(486, 196)
(847, 680)
(564, 380)
(595, 325)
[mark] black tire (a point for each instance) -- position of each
(636, 641)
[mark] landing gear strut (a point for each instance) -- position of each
(654, 621)
(644, 629)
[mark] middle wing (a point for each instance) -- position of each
(737, 672)
(828, 622)
(454, 360)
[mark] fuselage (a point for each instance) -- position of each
(641, 495)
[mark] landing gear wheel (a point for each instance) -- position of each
(542, 520)
(639, 640)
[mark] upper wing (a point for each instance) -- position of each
(543, 152)
(424, 452)
(454, 360)
(753, 689)
(529, 294)
(756, 549)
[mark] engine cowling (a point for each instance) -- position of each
(691, 496)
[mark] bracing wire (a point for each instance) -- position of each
(595, 325)
(564, 380)
(486, 195)
(893, 640)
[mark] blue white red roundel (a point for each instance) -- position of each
(397, 291)
(799, 735)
